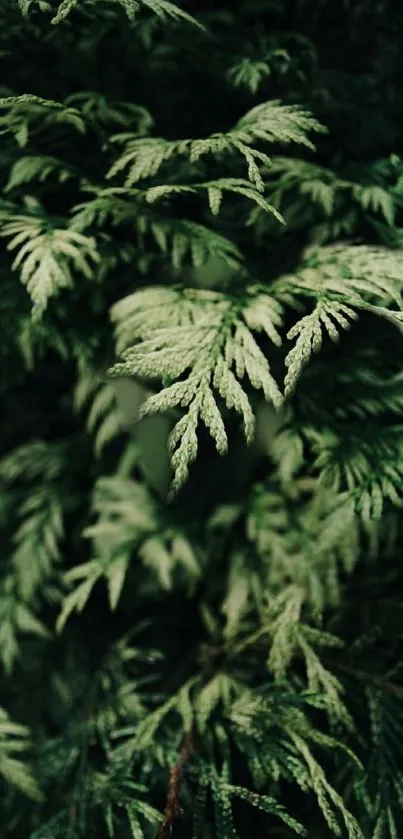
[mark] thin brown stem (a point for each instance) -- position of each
(173, 807)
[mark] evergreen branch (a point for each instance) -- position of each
(46, 256)
(211, 336)
(104, 419)
(308, 332)
(179, 238)
(28, 168)
(270, 122)
(342, 279)
(14, 739)
(215, 190)
(162, 8)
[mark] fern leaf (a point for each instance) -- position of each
(308, 332)
(28, 168)
(46, 257)
(202, 346)
(14, 738)
(270, 122)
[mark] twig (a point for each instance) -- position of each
(173, 807)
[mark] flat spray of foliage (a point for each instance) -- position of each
(201, 466)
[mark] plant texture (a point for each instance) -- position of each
(201, 449)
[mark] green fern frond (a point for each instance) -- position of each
(373, 273)
(307, 191)
(31, 168)
(215, 190)
(210, 340)
(108, 205)
(249, 73)
(383, 782)
(36, 543)
(308, 332)
(128, 525)
(47, 256)
(288, 747)
(179, 238)
(36, 459)
(367, 465)
(27, 109)
(270, 122)
(330, 802)
(165, 9)
(15, 618)
(104, 420)
(14, 739)
(37, 540)
(285, 542)
(267, 804)
(162, 8)
(188, 240)
(342, 279)
(101, 110)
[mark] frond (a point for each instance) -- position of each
(310, 549)
(270, 122)
(180, 239)
(308, 332)
(35, 472)
(28, 111)
(342, 280)
(16, 617)
(382, 786)
(104, 420)
(249, 73)
(210, 340)
(367, 464)
(31, 168)
(215, 190)
(47, 257)
(129, 526)
(162, 8)
(330, 203)
(37, 540)
(13, 741)
(36, 459)
(98, 109)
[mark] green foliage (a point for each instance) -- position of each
(209, 337)
(269, 123)
(13, 740)
(217, 298)
(46, 256)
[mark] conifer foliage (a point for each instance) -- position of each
(201, 466)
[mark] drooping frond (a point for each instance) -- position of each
(270, 122)
(342, 280)
(210, 339)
